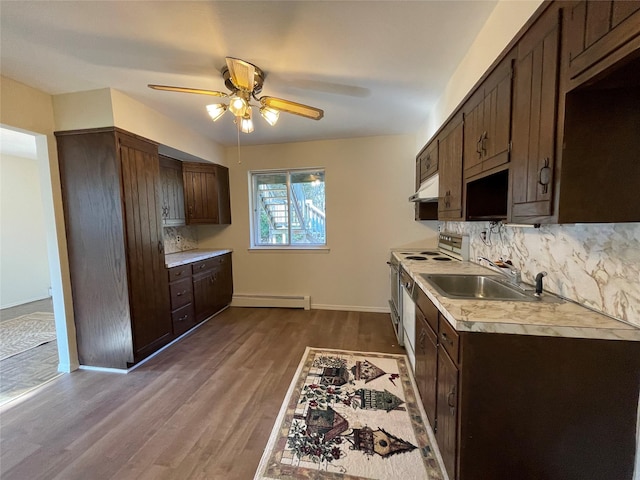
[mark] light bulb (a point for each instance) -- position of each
(216, 110)
(246, 124)
(270, 115)
(238, 106)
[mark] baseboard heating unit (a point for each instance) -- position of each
(278, 301)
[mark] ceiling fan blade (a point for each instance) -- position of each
(243, 74)
(293, 107)
(198, 91)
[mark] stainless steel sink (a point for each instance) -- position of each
(479, 287)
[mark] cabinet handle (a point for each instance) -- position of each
(544, 176)
(202, 266)
(446, 339)
(479, 147)
(484, 144)
(179, 294)
(422, 335)
(178, 273)
(451, 400)
(160, 247)
(183, 318)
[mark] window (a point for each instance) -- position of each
(288, 208)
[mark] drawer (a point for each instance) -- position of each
(449, 339)
(183, 319)
(427, 308)
(209, 263)
(181, 292)
(177, 273)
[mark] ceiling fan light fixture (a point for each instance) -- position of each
(270, 115)
(246, 124)
(216, 110)
(238, 106)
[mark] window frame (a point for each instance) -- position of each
(254, 222)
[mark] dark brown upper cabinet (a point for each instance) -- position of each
(206, 193)
(487, 122)
(535, 102)
(427, 162)
(172, 192)
(599, 34)
(450, 145)
(426, 166)
(111, 196)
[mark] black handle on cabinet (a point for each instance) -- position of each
(479, 147)
(160, 247)
(446, 339)
(484, 143)
(183, 318)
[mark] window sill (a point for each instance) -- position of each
(322, 249)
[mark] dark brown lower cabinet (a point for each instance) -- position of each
(212, 285)
(532, 407)
(110, 187)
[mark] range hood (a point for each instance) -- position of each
(428, 191)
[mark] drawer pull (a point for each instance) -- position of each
(179, 294)
(446, 339)
(202, 266)
(183, 318)
(178, 273)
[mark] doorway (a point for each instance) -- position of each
(31, 280)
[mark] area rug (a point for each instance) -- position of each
(351, 415)
(23, 333)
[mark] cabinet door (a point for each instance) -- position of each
(172, 192)
(203, 294)
(600, 31)
(148, 291)
(487, 122)
(201, 195)
(447, 411)
(534, 119)
(426, 365)
(450, 167)
(224, 195)
(428, 161)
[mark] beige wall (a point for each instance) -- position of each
(505, 21)
(24, 276)
(108, 107)
(31, 110)
(368, 182)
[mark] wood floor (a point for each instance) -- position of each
(202, 409)
(25, 371)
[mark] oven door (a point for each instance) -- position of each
(395, 303)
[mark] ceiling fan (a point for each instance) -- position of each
(245, 81)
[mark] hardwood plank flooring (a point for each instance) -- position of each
(25, 371)
(202, 409)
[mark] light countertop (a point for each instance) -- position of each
(564, 319)
(190, 256)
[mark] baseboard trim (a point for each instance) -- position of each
(350, 308)
(273, 301)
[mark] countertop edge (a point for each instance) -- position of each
(178, 259)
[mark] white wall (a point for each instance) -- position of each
(24, 276)
(368, 182)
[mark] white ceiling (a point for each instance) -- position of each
(374, 67)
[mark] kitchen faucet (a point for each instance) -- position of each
(512, 273)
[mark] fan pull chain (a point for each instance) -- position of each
(238, 133)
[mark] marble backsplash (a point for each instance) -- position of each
(179, 239)
(596, 265)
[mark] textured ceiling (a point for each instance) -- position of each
(375, 68)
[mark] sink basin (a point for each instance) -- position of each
(478, 287)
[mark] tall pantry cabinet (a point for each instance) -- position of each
(111, 194)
